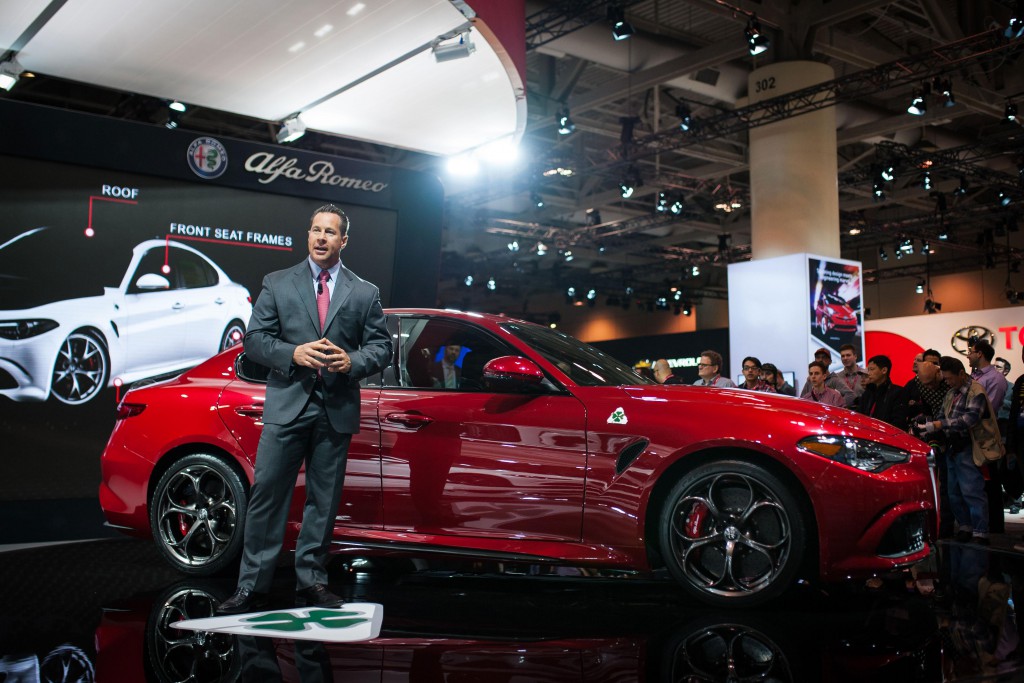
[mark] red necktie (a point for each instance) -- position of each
(323, 298)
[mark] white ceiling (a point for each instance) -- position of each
(272, 58)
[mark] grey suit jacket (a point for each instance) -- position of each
(285, 316)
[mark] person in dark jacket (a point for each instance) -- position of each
(882, 399)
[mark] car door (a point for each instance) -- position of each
(154, 329)
(201, 304)
(468, 461)
(241, 408)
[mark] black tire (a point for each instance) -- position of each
(232, 336)
(732, 534)
(82, 368)
(197, 514)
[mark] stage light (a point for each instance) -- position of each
(919, 288)
(537, 200)
(930, 305)
(926, 248)
(919, 103)
(695, 271)
(541, 249)
(445, 52)
(962, 188)
(468, 281)
(464, 164)
(570, 292)
(567, 255)
(926, 182)
(177, 106)
(882, 254)
(888, 173)
(593, 217)
(907, 246)
(1010, 112)
(491, 284)
(878, 190)
(757, 42)
(172, 119)
(10, 72)
(685, 117)
(944, 87)
(565, 124)
(591, 294)
(687, 309)
(677, 207)
(621, 29)
(1015, 27)
(513, 246)
(1005, 198)
(662, 205)
(944, 234)
(291, 130)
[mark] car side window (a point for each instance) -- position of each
(446, 355)
(151, 267)
(388, 376)
(192, 270)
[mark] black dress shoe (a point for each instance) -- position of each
(244, 600)
(317, 595)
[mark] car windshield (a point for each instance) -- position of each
(584, 364)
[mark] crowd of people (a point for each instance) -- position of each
(945, 405)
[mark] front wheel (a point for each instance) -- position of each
(197, 514)
(732, 534)
(81, 370)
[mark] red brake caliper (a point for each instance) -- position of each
(694, 527)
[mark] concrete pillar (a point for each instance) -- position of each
(794, 188)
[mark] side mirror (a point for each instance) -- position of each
(512, 373)
(250, 371)
(152, 281)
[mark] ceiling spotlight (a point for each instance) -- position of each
(926, 182)
(626, 189)
(888, 173)
(944, 88)
(1005, 198)
(291, 129)
(662, 205)
(919, 288)
(930, 305)
(685, 117)
(695, 271)
(537, 200)
(677, 207)
(513, 246)
(961, 189)
(468, 281)
(1010, 113)
(621, 29)
(944, 234)
(918, 104)
(567, 255)
(687, 308)
(565, 124)
(907, 246)
(172, 119)
(593, 217)
(591, 294)
(1015, 27)
(10, 72)
(446, 52)
(491, 284)
(570, 292)
(882, 254)
(878, 189)
(177, 106)
(541, 249)
(757, 42)
(926, 248)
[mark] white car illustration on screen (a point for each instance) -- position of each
(78, 313)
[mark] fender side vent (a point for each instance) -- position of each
(629, 454)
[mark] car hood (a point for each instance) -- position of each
(816, 416)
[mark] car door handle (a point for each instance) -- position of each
(177, 306)
(254, 411)
(219, 301)
(411, 420)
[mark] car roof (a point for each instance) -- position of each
(455, 314)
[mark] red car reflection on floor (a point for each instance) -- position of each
(548, 450)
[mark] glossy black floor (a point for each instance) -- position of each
(99, 610)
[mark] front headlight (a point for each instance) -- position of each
(23, 329)
(869, 456)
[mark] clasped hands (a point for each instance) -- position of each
(925, 425)
(322, 353)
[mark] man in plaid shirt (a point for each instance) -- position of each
(963, 407)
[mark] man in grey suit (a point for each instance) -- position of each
(320, 329)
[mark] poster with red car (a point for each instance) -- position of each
(836, 304)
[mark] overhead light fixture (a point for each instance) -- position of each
(1015, 27)
(926, 181)
(888, 173)
(537, 199)
(458, 49)
(172, 119)
(662, 205)
(919, 103)
(626, 189)
(907, 246)
(621, 29)
(677, 207)
(464, 164)
(944, 88)
(687, 309)
(1005, 198)
(632, 180)
(491, 284)
(1009, 113)
(919, 288)
(878, 189)
(10, 72)
(593, 217)
(963, 187)
(565, 124)
(291, 130)
(513, 246)
(695, 271)
(177, 106)
(468, 281)
(882, 254)
(931, 305)
(926, 248)
(685, 117)
(541, 249)
(757, 42)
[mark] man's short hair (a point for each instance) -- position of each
(950, 364)
(714, 356)
(848, 347)
(881, 362)
(985, 349)
(752, 360)
(932, 353)
(818, 364)
(331, 208)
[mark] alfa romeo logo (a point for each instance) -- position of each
(962, 338)
(207, 158)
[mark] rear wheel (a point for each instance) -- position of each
(732, 534)
(233, 335)
(197, 514)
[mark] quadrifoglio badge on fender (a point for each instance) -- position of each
(274, 166)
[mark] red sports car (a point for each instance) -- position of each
(835, 313)
(547, 450)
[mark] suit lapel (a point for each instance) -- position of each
(303, 281)
(342, 290)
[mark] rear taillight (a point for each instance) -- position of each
(126, 410)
